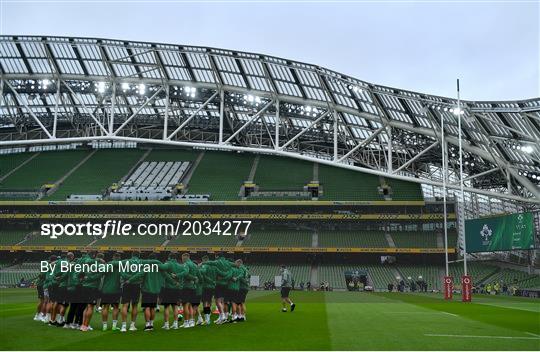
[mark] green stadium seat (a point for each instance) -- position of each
(35, 239)
(414, 239)
(341, 238)
(105, 167)
(204, 240)
(268, 272)
(403, 190)
(8, 162)
(477, 270)
(275, 173)
(278, 238)
(10, 237)
(221, 175)
(51, 166)
(347, 185)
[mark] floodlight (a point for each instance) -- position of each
(142, 89)
(527, 149)
(101, 87)
(125, 86)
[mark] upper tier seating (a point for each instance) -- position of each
(221, 175)
(98, 173)
(341, 238)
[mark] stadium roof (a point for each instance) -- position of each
(64, 90)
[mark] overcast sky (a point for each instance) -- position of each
(422, 46)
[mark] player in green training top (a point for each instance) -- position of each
(286, 286)
(152, 283)
(40, 310)
(208, 273)
(244, 289)
(90, 291)
(223, 266)
(110, 293)
(189, 294)
(131, 292)
(170, 294)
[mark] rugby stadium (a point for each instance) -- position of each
(369, 195)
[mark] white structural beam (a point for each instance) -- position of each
(221, 114)
(307, 128)
(389, 156)
(410, 161)
(142, 106)
(192, 116)
(248, 122)
(362, 144)
(166, 114)
(19, 98)
(335, 135)
(480, 174)
(277, 124)
(113, 102)
(56, 105)
(85, 108)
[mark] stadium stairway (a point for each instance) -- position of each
(58, 183)
(51, 166)
(390, 240)
(13, 161)
(191, 171)
(215, 176)
(314, 275)
(254, 166)
(440, 240)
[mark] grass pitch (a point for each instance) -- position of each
(322, 321)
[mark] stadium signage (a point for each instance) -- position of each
(238, 216)
(234, 249)
(466, 288)
(500, 233)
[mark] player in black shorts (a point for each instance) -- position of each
(40, 310)
(130, 294)
(244, 289)
(286, 285)
(90, 292)
(170, 293)
(208, 273)
(150, 290)
(110, 293)
(189, 295)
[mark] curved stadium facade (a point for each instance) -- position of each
(333, 171)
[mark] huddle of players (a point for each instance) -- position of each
(178, 282)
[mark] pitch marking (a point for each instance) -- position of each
(452, 314)
(485, 337)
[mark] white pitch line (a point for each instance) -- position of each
(485, 337)
(530, 333)
(446, 313)
(452, 314)
(414, 312)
